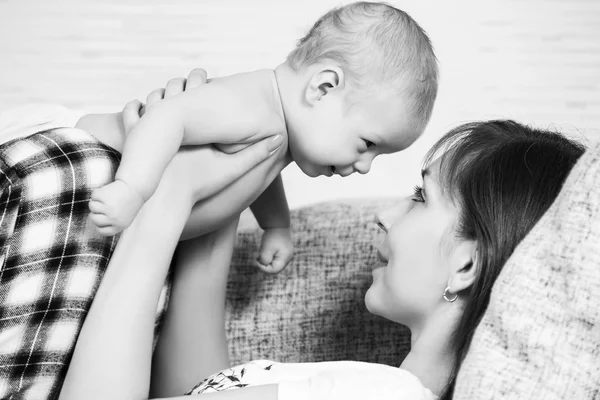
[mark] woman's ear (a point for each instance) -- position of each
(325, 80)
(465, 262)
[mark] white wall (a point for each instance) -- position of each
(537, 61)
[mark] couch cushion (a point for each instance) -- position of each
(540, 336)
(314, 310)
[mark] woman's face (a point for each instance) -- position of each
(415, 254)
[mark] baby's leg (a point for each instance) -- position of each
(114, 206)
(193, 344)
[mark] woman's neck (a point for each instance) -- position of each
(431, 357)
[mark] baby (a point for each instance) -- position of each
(361, 83)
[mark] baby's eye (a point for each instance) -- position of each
(369, 143)
(418, 197)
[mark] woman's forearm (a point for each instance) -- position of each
(113, 353)
(193, 344)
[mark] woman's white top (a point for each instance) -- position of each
(335, 380)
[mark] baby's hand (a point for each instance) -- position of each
(276, 250)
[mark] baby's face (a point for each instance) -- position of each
(337, 140)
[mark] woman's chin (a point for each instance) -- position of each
(371, 300)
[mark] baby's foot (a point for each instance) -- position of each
(113, 207)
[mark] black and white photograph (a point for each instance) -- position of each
(300, 200)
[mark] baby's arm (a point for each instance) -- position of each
(273, 215)
(228, 110)
(271, 209)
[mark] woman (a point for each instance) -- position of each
(485, 185)
(444, 247)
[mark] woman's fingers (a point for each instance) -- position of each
(131, 114)
(154, 97)
(240, 163)
(219, 170)
(196, 78)
(174, 87)
(135, 109)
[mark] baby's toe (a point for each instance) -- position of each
(99, 219)
(108, 230)
(97, 206)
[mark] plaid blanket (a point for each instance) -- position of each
(52, 260)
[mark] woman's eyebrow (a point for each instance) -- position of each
(424, 173)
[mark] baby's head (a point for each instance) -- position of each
(361, 83)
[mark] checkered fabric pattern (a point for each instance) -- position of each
(52, 260)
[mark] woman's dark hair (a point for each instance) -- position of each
(503, 176)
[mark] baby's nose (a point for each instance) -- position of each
(363, 166)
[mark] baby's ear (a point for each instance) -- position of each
(325, 80)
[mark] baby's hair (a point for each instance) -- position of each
(376, 44)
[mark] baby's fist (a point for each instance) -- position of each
(276, 250)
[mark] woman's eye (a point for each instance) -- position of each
(418, 196)
(369, 143)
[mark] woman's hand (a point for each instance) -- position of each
(198, 172)
(135, 109)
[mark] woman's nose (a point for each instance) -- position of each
(387, 217)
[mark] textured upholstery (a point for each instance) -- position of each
(314, 310)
